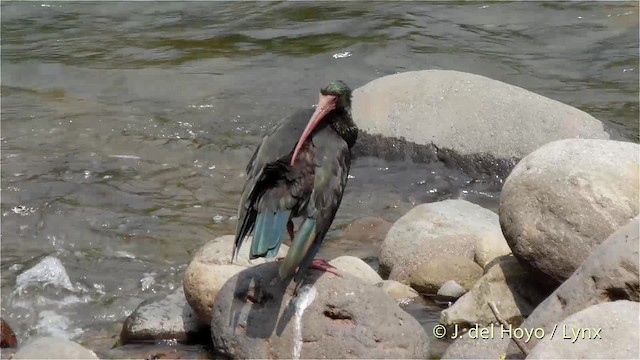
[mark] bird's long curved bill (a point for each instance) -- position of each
(326, 103)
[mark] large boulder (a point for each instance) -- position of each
(450, 227)
(604, 331)
(53, 348)
(256, 315)
(167, 317)
(508, 285)
(467, 114)
(609, 274)
(431, 275)
(211, 267)
(564, 199)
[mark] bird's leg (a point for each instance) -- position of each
(290, 229)
(323, 265)
(291, 235)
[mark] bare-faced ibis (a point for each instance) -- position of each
(299, 170)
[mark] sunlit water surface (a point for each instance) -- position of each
(126, 127)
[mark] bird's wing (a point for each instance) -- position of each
(267, 197)
(333, 160)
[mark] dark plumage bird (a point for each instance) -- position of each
(300, 169)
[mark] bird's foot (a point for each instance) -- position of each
(323, 265)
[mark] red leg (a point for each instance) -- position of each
(290, 229)
(323, 265)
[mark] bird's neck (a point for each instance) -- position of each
(345, 127)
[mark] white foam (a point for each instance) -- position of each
(147, 281)
(49, 271)
(53, 324)
(306, 295)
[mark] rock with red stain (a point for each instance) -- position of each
(7, 336)
(256, 315)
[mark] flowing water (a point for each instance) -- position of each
(126, 126)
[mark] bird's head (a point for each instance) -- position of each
(334, 97)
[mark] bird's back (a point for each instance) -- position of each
(275, 149)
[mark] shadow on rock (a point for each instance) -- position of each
(254, 288)
(256, 315)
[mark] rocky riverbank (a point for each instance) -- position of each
(562, 251)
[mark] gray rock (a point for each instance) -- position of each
(564, 199)
(490, 248)
(451, 289)
(356, 267)
(508, 285)
(605, 331)
(430, 276)
(466, 347)
(609, 274)
(211, 267)
(163, 318)
(397, 290)
(53, 348)
(256, 316)
(450, 227)
(465, 113)
(160, 351)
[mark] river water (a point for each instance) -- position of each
(126, 126)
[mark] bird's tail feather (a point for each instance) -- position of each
(300, 245)
(267, 233)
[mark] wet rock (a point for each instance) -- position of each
(468, 115)
(360, 238)
(508, 285)
(167, 317)
(256, 316)
(53, 348)
(606, 331)
(397, 290)
(368, 229)
(211, 267)
(101, 337)
(7, 336)
(450, 227)
(564, 199)
(356, 267)
(451, 289)
(161, 351)
(430, 276)
(610, 273)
